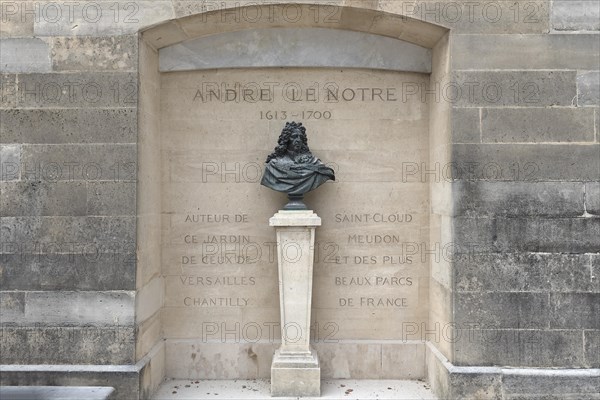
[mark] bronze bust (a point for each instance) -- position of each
(292, 168)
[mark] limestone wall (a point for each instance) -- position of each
(516, 113)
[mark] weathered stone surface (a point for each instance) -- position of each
(526, 272)
(111, 198)
(473, 236)
(466, 125)
(592, 198)
(10, 161)
(80, 90)
(519, 347)
(51, 267)
(16, 21)
(559, 51)
(8, 91)
(120, 17)
(42, 198)
(568, 235)
(394, 365)
(526, 162)
(575, 15)
(483, 198)
(67, 308)
(595, 265)
(486, 16)
(592, 348)
(551, 384)
(81, 230)
(502, 310)
(512, 88)
(93, 162)
(588, 88)
(476, 385)
(239, 361)
(304, 48)
(67, 345)
(24, 55)
(575, 310)
(68, 126)
(507, 125)
(110, 53)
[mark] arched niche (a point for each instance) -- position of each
(419, 48)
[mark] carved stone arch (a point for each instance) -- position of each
(150, 346)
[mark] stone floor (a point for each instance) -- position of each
(260, 389)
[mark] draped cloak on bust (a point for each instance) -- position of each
(287, 175)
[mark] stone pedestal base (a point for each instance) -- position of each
(295, 375)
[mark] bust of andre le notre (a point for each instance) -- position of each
(293, 169)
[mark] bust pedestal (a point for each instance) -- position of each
(295, 370)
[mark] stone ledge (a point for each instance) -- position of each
(56, 392)
(458, 382)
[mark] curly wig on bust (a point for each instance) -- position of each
(284, 139)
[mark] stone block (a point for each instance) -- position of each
(75, 90)
(559, 51)
(519, 348)
(402, 361)
(595, 274)
(592, 198)
(24, 55)
(575, 311)
(511, 88)
(124, 378)
(551, 384)
(8, 91)
(21, 309)
(91, 163)
(219, 360)
(502, 310)
(67, 345)
(591, 340)
(566, 235)
(120, 17)
(56, 392)
(109, 53)
(526, 272)
(56, 126)
(505, 125)
(483, 198)
(97, 233)
(482, 384)
(42, 198)
(350, 360)
(526, 162)
(53, 268)
(466, 126)
(588, 88)
(295, 376)
(438, 375)
(111, 198)
(486, 17)
(10, 161)
(149, 299)
(473, 236)
(575, 15)
(16, 21)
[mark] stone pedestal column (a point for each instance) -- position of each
(295, 369)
